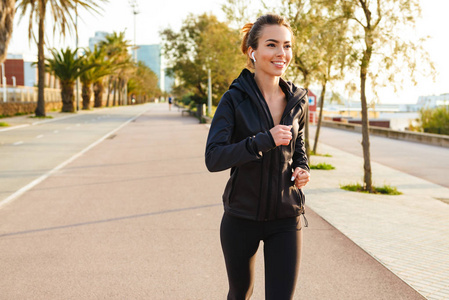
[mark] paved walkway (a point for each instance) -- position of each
(137, 217)
(409, 234)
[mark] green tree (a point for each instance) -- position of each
(334, 48)
(62, 14)
(94, 76)
(67, 68)
(203, 43)
(116, 48)
(143, 83)
(435, 120)
(379, 29)
(6, 25)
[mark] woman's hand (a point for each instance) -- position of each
(281, 134)
(301, 177)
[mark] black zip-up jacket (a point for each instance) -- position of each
(260, 186)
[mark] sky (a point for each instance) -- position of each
(154, 16)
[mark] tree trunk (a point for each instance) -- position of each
(86, 94)
(98, 93)
(6, 25)
(365, 122)
(320, 117)
(114, 98)
(40, 109)
(67, 97)
(109, 91)
(119, 100)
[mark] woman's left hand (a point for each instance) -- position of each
(301, 177)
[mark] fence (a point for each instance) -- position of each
(24, 94)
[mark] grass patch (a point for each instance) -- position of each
(41, 117)
(322, 166)
(384, 190)
(317, 154)
(4, 124)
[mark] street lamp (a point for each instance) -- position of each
(77, 96)
(133, 4)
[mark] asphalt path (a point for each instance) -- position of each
(421, 160)
(137, 216)
(31, 152)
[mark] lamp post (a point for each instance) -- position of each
(4, 82)
(209, 93)
(77, 96)
(133, 4)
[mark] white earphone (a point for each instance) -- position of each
(252, 55)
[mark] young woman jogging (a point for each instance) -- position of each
(257, 133)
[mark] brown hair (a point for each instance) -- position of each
(251, 32)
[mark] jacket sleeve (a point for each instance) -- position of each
(221, 152)
(300, 156)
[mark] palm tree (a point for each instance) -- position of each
(61, 11)
(116, 48)
(94, 76)
(6, 24)
(67, 68)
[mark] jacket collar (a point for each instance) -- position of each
(246, 83)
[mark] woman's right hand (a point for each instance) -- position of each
(282, 134)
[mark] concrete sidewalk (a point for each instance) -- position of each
(409, 233)
(138, 216)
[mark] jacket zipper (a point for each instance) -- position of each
(279, 194)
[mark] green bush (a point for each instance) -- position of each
(4, 124)
(435, 120)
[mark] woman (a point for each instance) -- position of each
(257, 132)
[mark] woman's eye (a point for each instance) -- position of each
(271, 45)
(288, 46)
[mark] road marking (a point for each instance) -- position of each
(18, 143)
(68, 127)
(77, 125)
(15, 127)
(63, 164)
(40, 136)
(56, 131)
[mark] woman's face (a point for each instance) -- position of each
(274, 51)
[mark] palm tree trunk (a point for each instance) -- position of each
(98, 93)
(6, 25)
(365, 122)
(320, 117)
(119, 91)
(40, 109)
(114, 98)
(86, 94)
(109, 91)
(67, 97)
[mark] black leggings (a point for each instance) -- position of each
(240, 239)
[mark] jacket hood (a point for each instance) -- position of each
(246, 83)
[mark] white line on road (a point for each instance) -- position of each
(68, 127)
(62, 165)
(56, 131)
(14, 127)
(18, 143)
(40, 136)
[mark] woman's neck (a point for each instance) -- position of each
(268, 85)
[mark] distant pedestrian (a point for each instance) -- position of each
(257, 132)
(170, 100)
